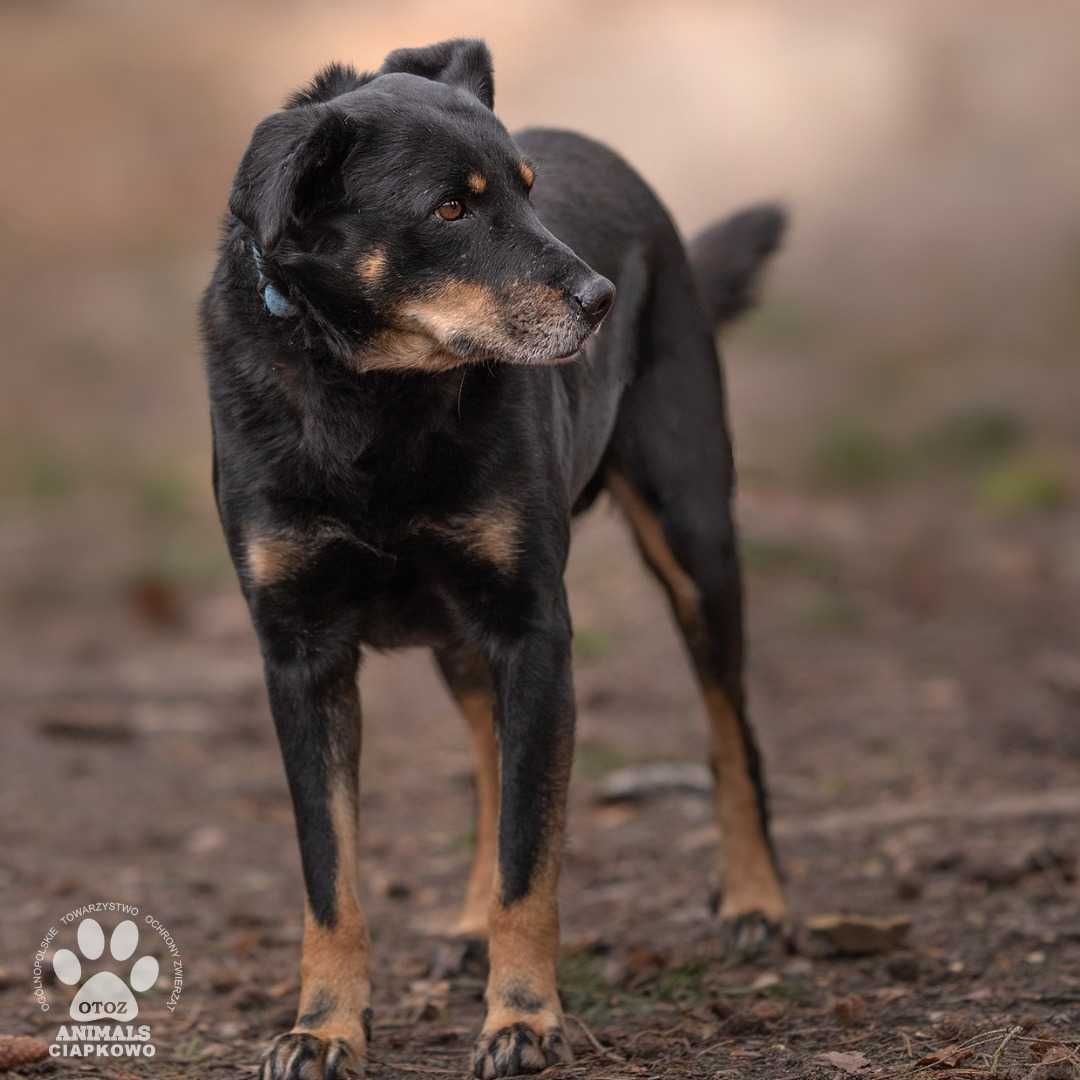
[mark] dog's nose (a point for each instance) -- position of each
(595, 297)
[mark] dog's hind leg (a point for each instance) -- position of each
(468, 677)
(311, 678)
(671, 473)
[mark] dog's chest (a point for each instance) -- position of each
(413, 584)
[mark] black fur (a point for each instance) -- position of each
(377, 478)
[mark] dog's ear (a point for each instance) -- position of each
(290, 171)
(464, 62)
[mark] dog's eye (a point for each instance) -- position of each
(451, 210)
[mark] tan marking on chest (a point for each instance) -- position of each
(271, 559)
(492, 535)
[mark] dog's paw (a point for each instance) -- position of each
(518, 1049)
(298, 1055)
(751, 935)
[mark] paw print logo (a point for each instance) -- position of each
(105, 996)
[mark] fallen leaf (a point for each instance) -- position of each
(849, 1010)
(1044, 1049)
(948, 1057)
(87, 722)
(766, 1011)
(19, 1050)
(639, 782)
(848, 1061)
(155, 601)
(858, 935)
(642, 962)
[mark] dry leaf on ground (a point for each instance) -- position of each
(848, 1061)
(857, 935)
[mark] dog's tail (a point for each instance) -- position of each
(728, 257)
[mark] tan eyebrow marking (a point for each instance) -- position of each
(477, 183)
(527, 173)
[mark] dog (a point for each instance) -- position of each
(418, 374)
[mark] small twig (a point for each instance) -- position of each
(712, 1048)
(995, 1061)
(415, 1068)
(597, 1046)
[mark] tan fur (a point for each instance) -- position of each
(750, 880)
(274, 556)
(336, 960)
(527, 173)
(523, 936)
(490, 535)
(477, 709)
(455, 307)
(271, 559)
(371, 266)
(650, 536)
(425, 324)
(523, 947)
(402, 350)
(477, 183)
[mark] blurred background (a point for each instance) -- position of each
(926, 151)
(906, 405)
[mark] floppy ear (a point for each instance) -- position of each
(291, 170)
(463, 62)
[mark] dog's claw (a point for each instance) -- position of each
(517, 1049)
(750, 935)
(297, 1055)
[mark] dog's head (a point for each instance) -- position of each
(393, 211)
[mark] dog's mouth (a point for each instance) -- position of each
(519, 324)
(557, 343)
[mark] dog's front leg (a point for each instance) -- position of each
(311, 679)
(523, 1030)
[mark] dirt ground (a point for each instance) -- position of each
(921, 731)
(906, 425)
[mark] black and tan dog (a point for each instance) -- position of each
(410, 400)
